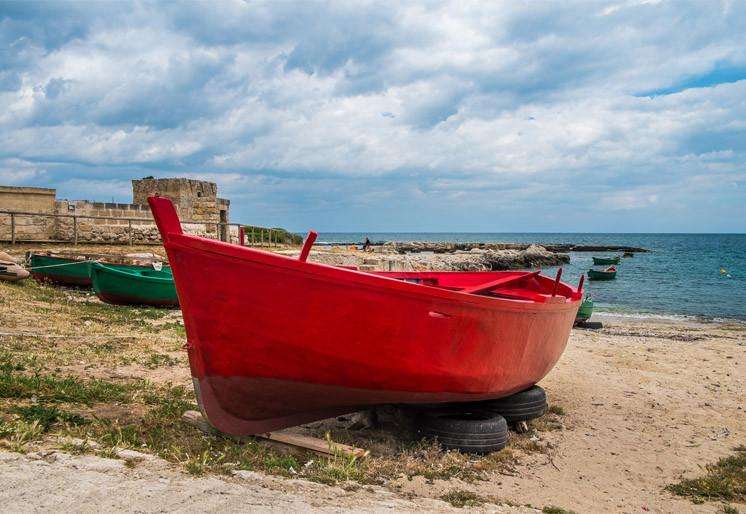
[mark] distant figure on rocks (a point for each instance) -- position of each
(366, 245)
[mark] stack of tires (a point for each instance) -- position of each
(479, 427)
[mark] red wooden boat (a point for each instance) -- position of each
(275, 341)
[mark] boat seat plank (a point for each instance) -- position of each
(487, 286)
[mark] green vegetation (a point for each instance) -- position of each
(279, 235)
(725, 480)
(46, 416)
(53, 388)
(557, 410)
(460, 498)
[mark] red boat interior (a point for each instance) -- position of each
(516, 285)
(528, 286)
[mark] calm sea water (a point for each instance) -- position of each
(679, 277)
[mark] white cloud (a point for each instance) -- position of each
(453, 98)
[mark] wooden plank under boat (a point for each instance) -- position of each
(607, 274)
(275, 341)
(605, 261)
(74, 269)
(134, 286)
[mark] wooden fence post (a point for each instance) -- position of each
(12, 228)
(129, 229)
(75, 230)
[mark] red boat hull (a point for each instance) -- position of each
(275, 342)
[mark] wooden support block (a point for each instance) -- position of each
(313, 444)
(196, 419)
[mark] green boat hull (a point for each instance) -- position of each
(601, 275)
(58, 270)
(134, 287)
(598, 261)
(585, 311)
(69, 272)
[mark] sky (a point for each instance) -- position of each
(624, 116)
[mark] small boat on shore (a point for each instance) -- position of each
(10, 270)
(275, 341)
(605, 261)
(134, 286)
(585, 311)
(74, 269)
(607, 274)
(69, 271)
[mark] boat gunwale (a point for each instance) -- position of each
(97, 267)
(181, 242)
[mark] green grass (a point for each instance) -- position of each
(159, 360)
(556, 409)
(460, 498)
(46, 416)
(53, 388)
(725, 480)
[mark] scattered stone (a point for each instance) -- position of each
(134, 455)
(247, 475)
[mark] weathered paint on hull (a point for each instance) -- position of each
(66, 272)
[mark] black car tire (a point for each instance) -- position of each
(471, 430)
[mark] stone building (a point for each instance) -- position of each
(197, 203)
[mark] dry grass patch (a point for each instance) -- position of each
(725, 481)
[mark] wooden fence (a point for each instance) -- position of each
(257, 236)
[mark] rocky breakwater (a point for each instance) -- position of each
(385, 258)
(478, 259)
(447, 247)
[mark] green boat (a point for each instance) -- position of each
(75, 269)
(134, 287)
(607, 274)
(598, 261)
(67, 271)
(585, 311)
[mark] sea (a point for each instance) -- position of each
(684, 276)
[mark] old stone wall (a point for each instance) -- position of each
(195, 201)
(27, 199)
(27, 228)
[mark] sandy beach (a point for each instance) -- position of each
(636, 406)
